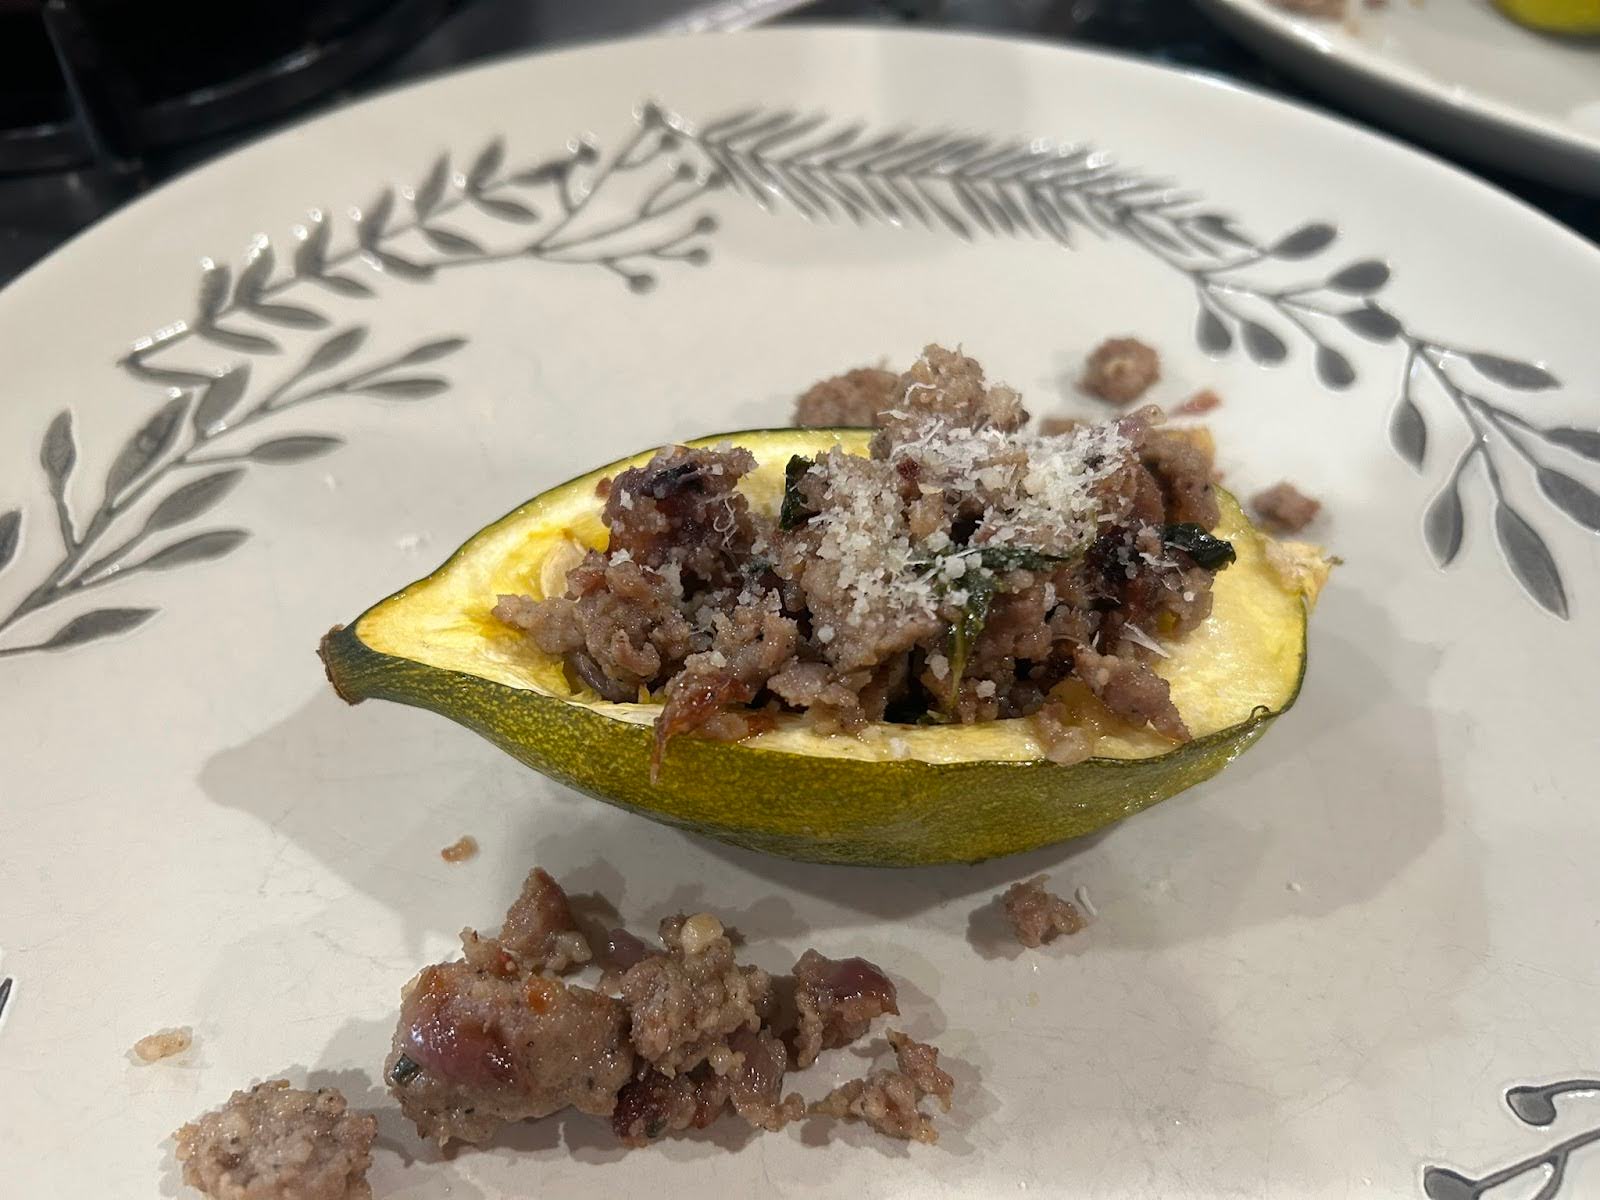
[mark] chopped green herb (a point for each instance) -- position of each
(795, 511)
(403, 1071)
(964, 632)
(1012, 558)
(995, 558)
(1212, 553)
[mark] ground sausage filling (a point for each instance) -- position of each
(961, 573)
(672, 1038)
(276, 1142)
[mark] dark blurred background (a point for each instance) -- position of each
(102, 99)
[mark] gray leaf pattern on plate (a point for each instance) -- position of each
(185, 464)
(1533, 1105)
(10, 536)
(195, 426)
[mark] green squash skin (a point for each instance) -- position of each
(832, 810)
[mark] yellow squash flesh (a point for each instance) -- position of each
(896, 795)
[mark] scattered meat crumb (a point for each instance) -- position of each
(1037, 915)
(463, 848)
(1203, 401)
(889, 1101)
(276, 1142)
(164, 1044)
(1284, 508)
(855, 398)
(1120, 370)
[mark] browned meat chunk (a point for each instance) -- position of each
(275, 1142)
(1120, 370)
(475, 1050)
(1037, 915)
(852, 399)
(889, 1100)
(747, 648)
(682, 509)
(1131, 689)
(618, 626)
(687, 1002)
(1183, 468)
(654, 1104)
(539, 933)
(756, 1083)
(699, 1023)
(624, 950)
(949, 386)
(836, 999)
(1283, 508)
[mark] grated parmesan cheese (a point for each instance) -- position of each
(1140, 638)
(1037, 492)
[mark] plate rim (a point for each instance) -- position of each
(1473, 108)
(1331, 122)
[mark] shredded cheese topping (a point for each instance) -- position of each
(1037, 492)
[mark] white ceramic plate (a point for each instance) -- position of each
(1453, 72)
(1316, 976)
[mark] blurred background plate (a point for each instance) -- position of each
(1454, 73)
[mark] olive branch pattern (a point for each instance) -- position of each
(187, 456)
(545, 211)
(1533, 1105)
(969, 185)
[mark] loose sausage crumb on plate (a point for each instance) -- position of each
(1203, 401)
(1037, 915)
(163, 1044)
(463, 848)
(889, 1101)
(1120, 370)
(275, 1142)
(672, 1038)
(1284, 508)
